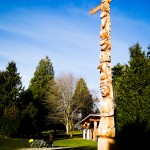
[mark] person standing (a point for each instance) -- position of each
(50, 140)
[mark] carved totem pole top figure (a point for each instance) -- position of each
(106, 126)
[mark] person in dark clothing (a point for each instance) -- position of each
(50, 140)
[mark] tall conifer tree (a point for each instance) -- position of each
(39, 86)
(132, 87)
(10, 89)
(82, 94)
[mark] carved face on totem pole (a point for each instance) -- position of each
(105, 91)
(105, 71)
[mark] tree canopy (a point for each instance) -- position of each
(10, 91)
(39, 86)
(132, 89)
(83, 98)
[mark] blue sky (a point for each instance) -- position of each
(66, 32)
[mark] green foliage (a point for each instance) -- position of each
(51, 103)
(10, 89)
(132, 89)
(10, 121)
(28, 125)
(84, 98)
(39, 86)
(2, 91)
(11, 85)
(43, 74)
(28, 113)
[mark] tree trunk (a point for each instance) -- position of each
(67, 126)
(71, 128)
(71, 134)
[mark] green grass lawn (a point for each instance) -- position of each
(76, 143)
(12, 143)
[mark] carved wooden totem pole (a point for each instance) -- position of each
(107, 124)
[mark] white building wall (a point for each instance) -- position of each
(88, 134)
(84, 132)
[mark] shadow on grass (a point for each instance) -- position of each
(81, 148)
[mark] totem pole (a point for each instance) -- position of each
(106, 127)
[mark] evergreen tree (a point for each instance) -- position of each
(132, 87)
(28, 121)
(11, 85)
(2, 91)
(39, 86)
(51, 103)
(10, 89)
(84, 98)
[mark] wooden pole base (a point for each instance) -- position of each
(105, 143)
